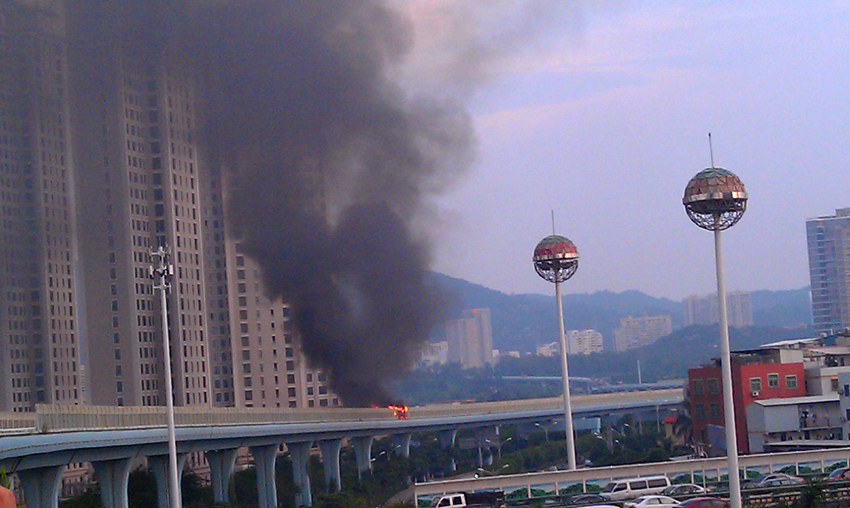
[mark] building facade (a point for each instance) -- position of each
(828, 240)
(635, 332)
(41, 355)
(470, 339)
(579, 342)
(137, 154)
(702, 310)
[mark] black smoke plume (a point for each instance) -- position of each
(334, 160)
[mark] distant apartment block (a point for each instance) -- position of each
(579, 342)
(470, 339)
(433, 353)
(702, 310)
(635, 332)
(828, 240)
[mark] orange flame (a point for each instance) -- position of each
(400, 412)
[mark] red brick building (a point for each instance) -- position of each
(757, 374)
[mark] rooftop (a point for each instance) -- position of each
(790, 401)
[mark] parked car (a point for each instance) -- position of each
(773, 480)
(583, 499)
(704, 502)
(652, 502)
(839, 475)
(630, 488)
(684, 489)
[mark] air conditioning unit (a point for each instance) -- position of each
(755, 394)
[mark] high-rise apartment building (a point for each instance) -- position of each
(137, 160)
(100, 163)
(256, 355)
(702, 310)
(635, 332)
(40, 350)
(828, 241)
(470, 339)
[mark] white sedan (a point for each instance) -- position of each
(651, 502)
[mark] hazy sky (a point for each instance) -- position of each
(604, 120)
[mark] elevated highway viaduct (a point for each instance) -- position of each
(38, 446)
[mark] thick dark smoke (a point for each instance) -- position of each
(334, 161)
(334, 158)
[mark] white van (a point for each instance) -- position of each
(630, 488)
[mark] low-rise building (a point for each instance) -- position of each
(781, 424)
(760, 374)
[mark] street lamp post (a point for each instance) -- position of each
(161, 275)
(545, 429)
(715, 199)
(556, 260)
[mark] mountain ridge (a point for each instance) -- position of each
(520, 322)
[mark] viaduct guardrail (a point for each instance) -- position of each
(54, 418)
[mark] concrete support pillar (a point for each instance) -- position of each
(300, 454)
(221, 468)
(401, 444)
(158, 464)
(330, 460)
(363, 453)
(112, 478)
(480, 438)
(447, 438)
(264, 460)
(447, 442)
(41, 486)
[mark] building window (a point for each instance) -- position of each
(714, 410)
(699, 412)
(755, 384)
(791, 382)
(249, 395)
(773, 380)
(698, 390)
(834, 382)
(713, 386)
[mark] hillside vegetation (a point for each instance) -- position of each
(521, 322)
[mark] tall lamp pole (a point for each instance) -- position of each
(556, 260)
(715, 199)
(161, 274)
